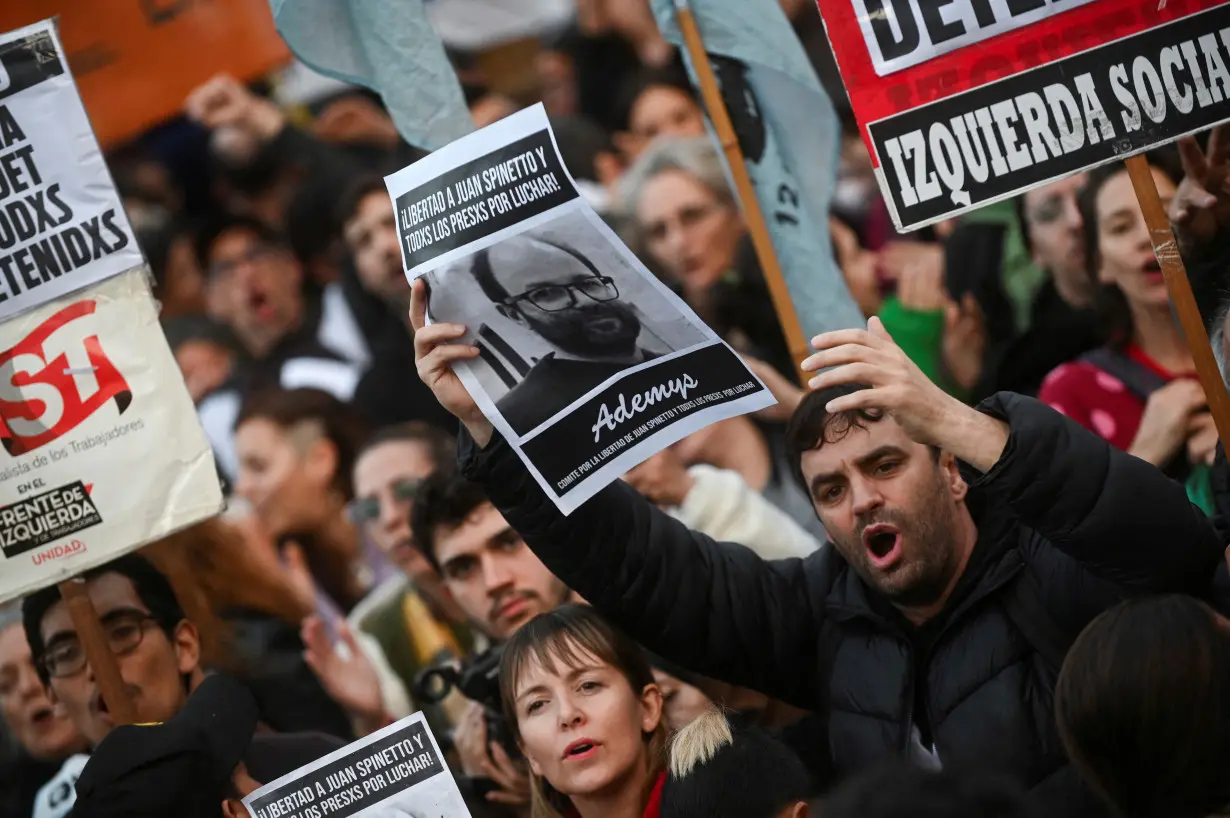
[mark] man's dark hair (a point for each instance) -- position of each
(152, 587)
(342, 424)
(812, 425)
(444, 499)
(214, 228)
(491, 286)
(1143, 707)
(440, 445)
(354, 194)
(901, 790)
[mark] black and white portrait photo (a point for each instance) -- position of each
(586, 362)
(556, 312)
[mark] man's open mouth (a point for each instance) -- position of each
(883, 544)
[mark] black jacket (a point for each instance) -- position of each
(1090, 525)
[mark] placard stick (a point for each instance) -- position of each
(796, 341)
(97, 652)
(1175, 274)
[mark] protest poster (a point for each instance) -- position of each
(62, 226)
(397, 772)
(967, 102)
(102, 451)
(589, 364)
(135, 62)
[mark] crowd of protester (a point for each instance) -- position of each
(973, 568)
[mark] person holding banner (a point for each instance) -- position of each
(883, 632)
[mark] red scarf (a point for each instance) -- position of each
(653, 809)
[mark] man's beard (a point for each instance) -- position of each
(574, 334)
(925, 572)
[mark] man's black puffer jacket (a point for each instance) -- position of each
(1092, 524)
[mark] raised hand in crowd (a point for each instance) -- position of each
(920, 284)
(896, 256)
(356, 119)
(1202, 439)
(965, 341)
(1167, 421)
(899, 388)
(224, 102)
(858, 267)
(436, 347)
(481, 758)
(1200, 209)
(241, 120)
(663, 479)
(785, 390)
(345, 673)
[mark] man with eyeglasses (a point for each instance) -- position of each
(158, 651)
(558, 293)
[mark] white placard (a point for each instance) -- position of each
(589, 364)
(100, 447)
(397, 772)
(62, 226)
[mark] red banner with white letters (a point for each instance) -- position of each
(965, 102)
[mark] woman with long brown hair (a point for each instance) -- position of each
(584, 710)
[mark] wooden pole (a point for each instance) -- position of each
(1175, 274)
(757, 228)
(97, 653)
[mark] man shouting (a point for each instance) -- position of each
(971, 546)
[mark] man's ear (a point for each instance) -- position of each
(187, 647)
(799, 810)
(952, 477)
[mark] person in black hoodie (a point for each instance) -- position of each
(969, 547)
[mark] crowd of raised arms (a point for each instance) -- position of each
(974, 568)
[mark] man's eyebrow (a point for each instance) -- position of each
(458, 559)
(879, 454)
(862, 462)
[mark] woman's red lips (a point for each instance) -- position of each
(581, 748)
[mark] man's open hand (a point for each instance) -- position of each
(899, 388)
(435, 351)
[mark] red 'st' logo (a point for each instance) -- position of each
(54, 379)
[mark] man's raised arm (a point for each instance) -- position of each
(715, 608)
